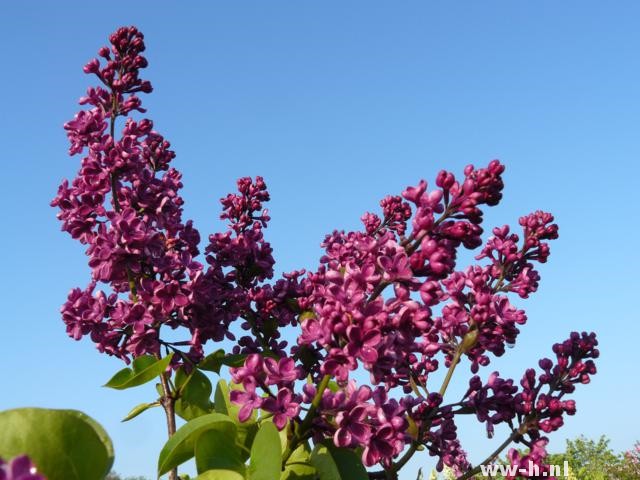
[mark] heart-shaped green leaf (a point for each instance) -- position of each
(217, 450)
(144, 369)
(298, 466)
(220, 475)
(194, 394)
(214, 361)
(180, 447)
(63, 444)
(246, 430)
(333, 463)
(266, 454)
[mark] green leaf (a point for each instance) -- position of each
(333, 386)
(63, 444)
(298, 466)
(217, 450)
(307, 314)
(284, 436)
(195, 394)
(220, 475)
(246, 430)
(245, 435)
(138, 409)
(144, 369)
(412, 429)
(214, 361)
(335, 463)
(223, 403)
(180, 447)
(266, 454)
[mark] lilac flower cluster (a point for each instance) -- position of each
(284, 405)
(397, 338)
(124, 204)
(389, 300)
(539, 406)
(19, 468)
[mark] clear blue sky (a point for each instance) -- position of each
(337, 104)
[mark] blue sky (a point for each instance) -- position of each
(337, 104)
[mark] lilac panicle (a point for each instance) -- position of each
(125, 206)
(391, 299)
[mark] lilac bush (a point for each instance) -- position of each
(389, 299)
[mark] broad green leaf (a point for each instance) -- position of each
(144, 369)
(234, 359)
(283, 434)
(63, 444)
(284, 437)
(195, 394)
(217, 450)
(266, 454)
(335, 463)
(298, 466)
(138, 409)
(214, 361)
(245, 435)
(223, 403)
(220, 475)
(246, 430)
(180, 447)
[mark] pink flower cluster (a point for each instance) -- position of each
(539, 405)
(124, 205)
(389, 300)
(372, 305)
(267, 372)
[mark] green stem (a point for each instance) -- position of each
(490, 458)
(452, 367)
(299, 436)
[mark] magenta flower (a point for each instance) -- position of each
(283, 371)
(284, 407)
(352, 427)
(395, 268)
(363, 345)
(19, 468)
(251, 371)
(248, 399)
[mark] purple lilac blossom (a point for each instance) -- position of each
(19, 468)
(390, 299)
